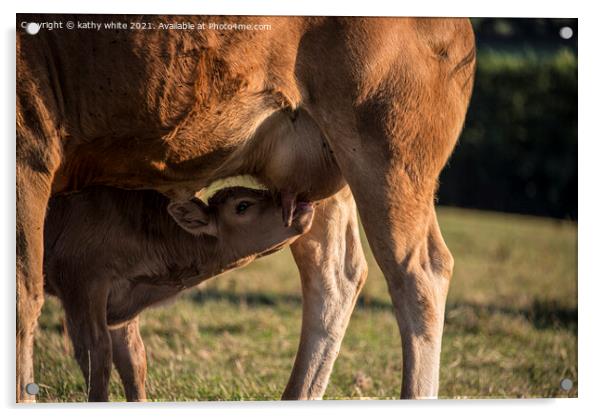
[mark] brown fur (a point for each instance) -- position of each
(172, 111)
(110, 253)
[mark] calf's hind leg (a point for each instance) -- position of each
(129, 357)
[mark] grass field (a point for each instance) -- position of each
(511, 325)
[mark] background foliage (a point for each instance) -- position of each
(518, 151)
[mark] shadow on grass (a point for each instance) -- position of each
(542, 314)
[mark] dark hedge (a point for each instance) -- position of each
(518, 150)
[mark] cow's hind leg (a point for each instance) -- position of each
(129, 357)
(401, 227)
(333, 270)
(392, 125)
(418, 289)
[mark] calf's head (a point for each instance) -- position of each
(245, 222)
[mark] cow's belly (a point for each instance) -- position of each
(285, 152)
(177, 162)
(135, 164)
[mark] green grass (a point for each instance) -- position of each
(511, 325)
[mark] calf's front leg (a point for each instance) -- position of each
(129, 357)
(87, 325)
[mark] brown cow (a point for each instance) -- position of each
(110, 253)
(175, 110)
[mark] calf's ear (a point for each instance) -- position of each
(193, 216)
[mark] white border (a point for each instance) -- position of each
(507, 8)
(589, 208)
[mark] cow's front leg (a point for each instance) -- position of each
(333, 270)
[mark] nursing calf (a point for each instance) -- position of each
(110, 253)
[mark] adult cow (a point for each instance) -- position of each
(174, 110)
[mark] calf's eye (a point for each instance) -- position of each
(242, 207)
